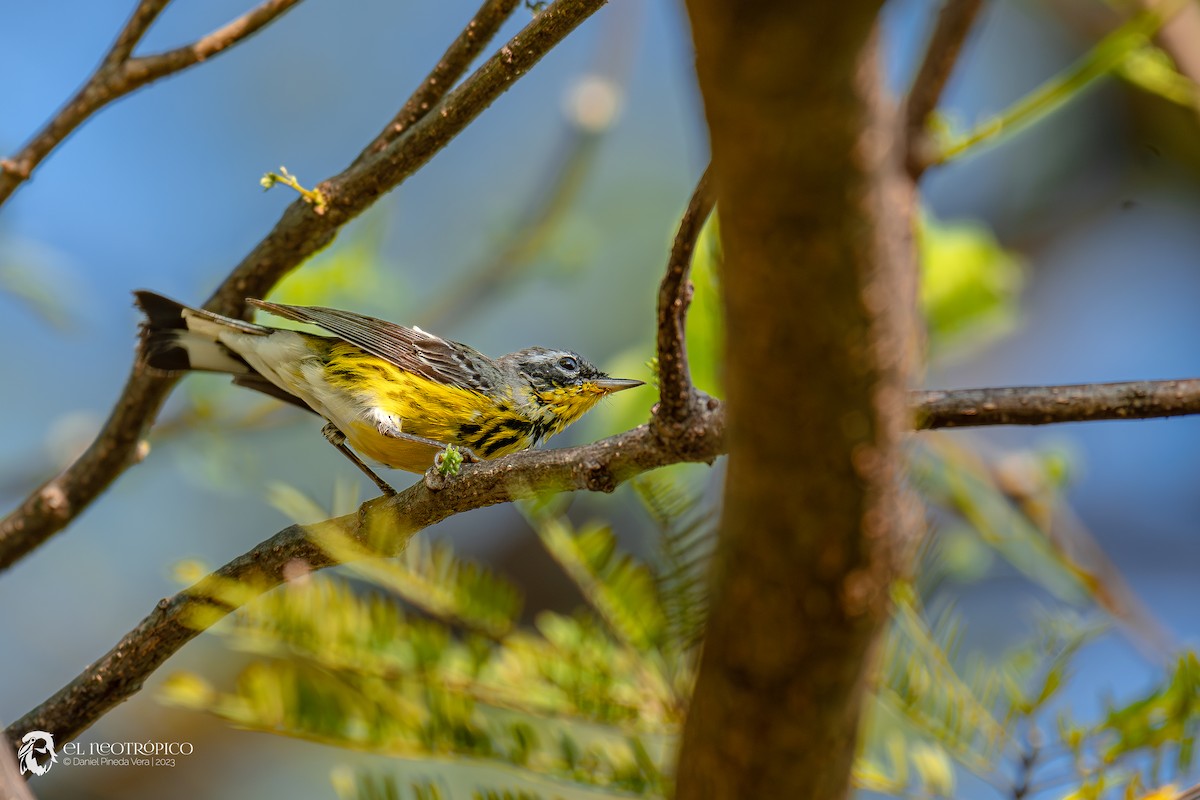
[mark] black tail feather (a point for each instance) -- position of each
(170, 344)
(165, 338)
(159, 345)
(162, 313)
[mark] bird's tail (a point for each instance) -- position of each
(176, 338)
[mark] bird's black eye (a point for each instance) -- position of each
(569, 364)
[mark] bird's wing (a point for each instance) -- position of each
(409, 349)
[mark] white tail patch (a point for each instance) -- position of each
(206, 354)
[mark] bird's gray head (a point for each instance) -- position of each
(548, 369)
(563, 383)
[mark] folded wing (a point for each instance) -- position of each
(409, 349)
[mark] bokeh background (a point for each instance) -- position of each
(1101, 202)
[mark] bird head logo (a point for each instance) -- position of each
(35, 747)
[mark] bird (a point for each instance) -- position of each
(398, 395)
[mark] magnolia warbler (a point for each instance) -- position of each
(398, 395)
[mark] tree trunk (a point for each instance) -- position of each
(819, 285)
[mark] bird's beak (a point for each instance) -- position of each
(611, 385)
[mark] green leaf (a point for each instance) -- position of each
(687, 537)
(431, 577)
(621, 589)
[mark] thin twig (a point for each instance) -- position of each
(119, 674)
(156, 66)
(120, 73)
(297, 235)
(953, 24)
(1043, 405)
(139, 22)
(677, 395)
(454, 62)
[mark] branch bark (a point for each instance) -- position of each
(120, 673)
(298, 234)
(941, 54)
(1044, 405)
(677, 394)
(120, 73)
(819, 286)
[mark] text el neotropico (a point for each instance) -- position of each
(103, 753)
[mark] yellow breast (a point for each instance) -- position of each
(488, 425)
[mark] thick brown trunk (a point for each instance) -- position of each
(818, 279)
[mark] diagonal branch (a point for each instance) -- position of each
(953, 24)
(454, 62)
(676, 392)
(300, 232)
(120, 73)
(120, 673)
(1043, 405)
(297, 235)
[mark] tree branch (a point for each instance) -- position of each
(454, 62)
(953, 24)
(1043, 405)
(148, 68)
(139, 22)
(119, 74)
(677, 394)
(298, 234)
(120, 673)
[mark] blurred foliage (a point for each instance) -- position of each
(1153, 71)
(1125, 51)
(969, 285)
(351, 274)
(41, 279)
(595, 700)
(958, 481)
